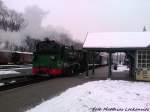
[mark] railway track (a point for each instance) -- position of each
(15, 82)
(19, 81)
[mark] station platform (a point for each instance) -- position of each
(101, 73)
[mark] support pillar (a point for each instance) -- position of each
(93, 64)
(109, 68)
(87, 67)
(132, 66)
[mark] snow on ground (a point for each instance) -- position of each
(4, 72)
(22, 68)
(101, 96)
(121, 68)
(1, 84)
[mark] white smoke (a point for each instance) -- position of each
(34, 16)
(13, 37)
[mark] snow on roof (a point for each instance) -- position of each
(117, 40)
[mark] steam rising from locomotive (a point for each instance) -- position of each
(34, 17)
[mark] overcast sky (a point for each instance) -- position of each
(82, 16)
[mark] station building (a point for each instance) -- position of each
(136, 45)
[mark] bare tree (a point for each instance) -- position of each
(29, 44)
(9, 19)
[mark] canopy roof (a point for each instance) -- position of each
(117, 40)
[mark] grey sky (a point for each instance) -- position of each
(81, 16)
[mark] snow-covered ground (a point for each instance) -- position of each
(4, 72)
(15, 72)
(101, 96)
(1, 84)
(22, 68)
(121, 68)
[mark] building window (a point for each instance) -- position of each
(143, 58)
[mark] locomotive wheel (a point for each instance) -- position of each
(69, 72)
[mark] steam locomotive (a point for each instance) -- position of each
(53, 59)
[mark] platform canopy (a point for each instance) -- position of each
(116, 40)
